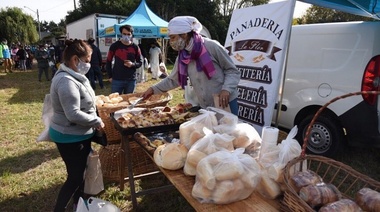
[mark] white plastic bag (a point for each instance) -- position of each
(205, 119)
(94, 177)
(224, 177)
(96, 205)
(47, 114)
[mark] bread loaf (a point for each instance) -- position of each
(200, 192)
(194, 156)
(368, 199)
(305, 178)
(170, 156)
(345, 205)
(321, 194)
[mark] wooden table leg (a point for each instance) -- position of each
(131, 178)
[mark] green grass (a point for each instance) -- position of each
(32, 173)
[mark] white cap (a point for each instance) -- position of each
(184, 24)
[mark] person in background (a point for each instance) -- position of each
(22, 55)
(74, 119)
(15, 59)
(127, 57)
(5, 55)
(96, 62)
(204, 62)
(42, 57)
(154, 60)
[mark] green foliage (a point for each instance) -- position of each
(316, 14)
(16, 26)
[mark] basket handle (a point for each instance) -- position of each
(322, 108)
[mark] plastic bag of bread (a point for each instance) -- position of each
(205, 119)
(224, 177)
(210, 143)
(170, 156)
(304, 178)
(270, 156)
(245, 134)
(289, 149)
(368, 199)
(226, 120)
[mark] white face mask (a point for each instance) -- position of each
(83, 67)
(126, 38)
(178, 45)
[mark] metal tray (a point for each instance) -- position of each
(144, 130)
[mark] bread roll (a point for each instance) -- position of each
(205, 174)
(368, 199)
(241, 141)
(194, 156)
(189, 170)
(321, 194)
(195, 136)
(170, 156)
(345, 205)
(201, 192)
(223, 191)
(228, 170)
(268, 188)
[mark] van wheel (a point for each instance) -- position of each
(326, 137)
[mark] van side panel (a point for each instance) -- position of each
(326, 61)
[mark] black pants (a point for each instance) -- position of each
(75, 157)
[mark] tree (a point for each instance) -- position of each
(17, 27)
(316, 14)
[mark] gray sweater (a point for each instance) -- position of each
(73, 102)
(226, 78)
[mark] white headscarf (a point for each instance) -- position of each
(184, 24)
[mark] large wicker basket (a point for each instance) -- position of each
(345, 178)
(113, 136)
(110, 159)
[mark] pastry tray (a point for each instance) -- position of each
(144, 130)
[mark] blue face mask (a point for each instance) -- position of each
(126, 38)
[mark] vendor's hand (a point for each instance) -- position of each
(110, 80)
(149, 92)
(224, 98)
(128, 63)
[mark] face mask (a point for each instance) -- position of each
(83, 67)
(178, 45)
(126, 38)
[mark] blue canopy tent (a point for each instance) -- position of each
(145, 23)
(367, 8)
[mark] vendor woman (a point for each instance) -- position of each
(204, 62)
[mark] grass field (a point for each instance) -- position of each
(31, 173)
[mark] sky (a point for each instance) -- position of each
(55, 10)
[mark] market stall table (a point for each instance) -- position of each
(180, 181)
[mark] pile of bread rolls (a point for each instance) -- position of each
(224, 177)
(327, 198)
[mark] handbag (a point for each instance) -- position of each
(100, 137)
(93, 181)
(47, 114)
(96, 205)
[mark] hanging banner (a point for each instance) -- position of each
(257, 40)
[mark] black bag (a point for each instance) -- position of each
(100, 137)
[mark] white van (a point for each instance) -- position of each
(326, 61)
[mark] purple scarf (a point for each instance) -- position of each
(200, 54)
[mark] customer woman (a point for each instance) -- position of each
(204, 61)
(74, 120)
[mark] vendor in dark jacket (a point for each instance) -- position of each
(96, 62)
(127, 58)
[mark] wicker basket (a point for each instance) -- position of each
(345, 178)
(113, 136)
(110, 159)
